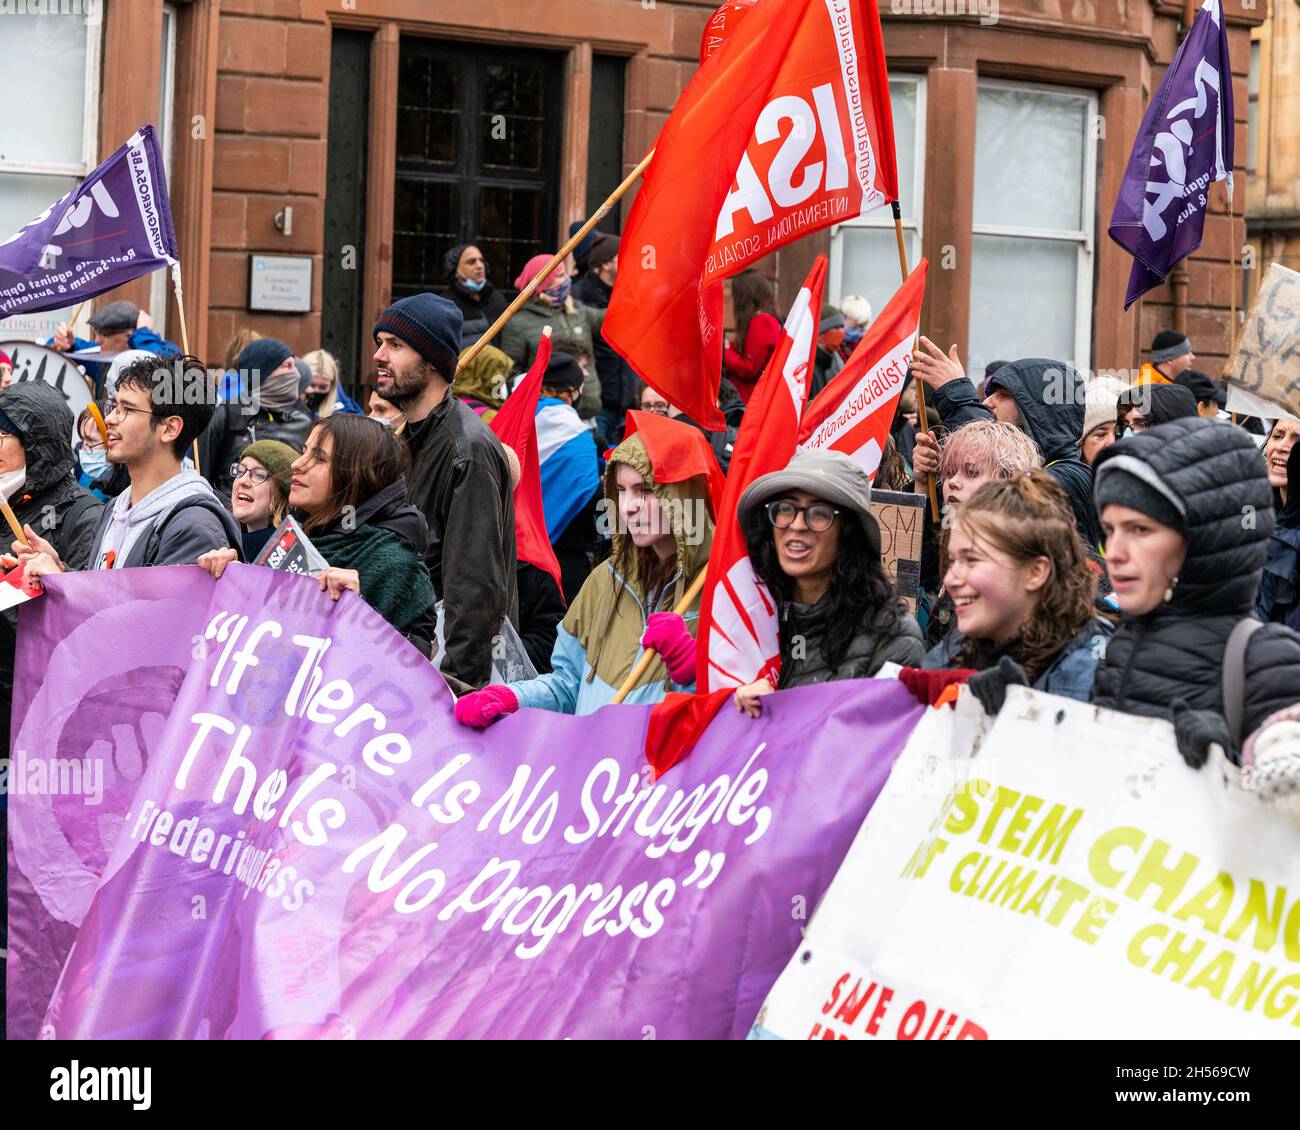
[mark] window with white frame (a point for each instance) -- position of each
(48, 140)
(864, 251)
(1034, 219)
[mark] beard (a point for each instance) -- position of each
(408, 383)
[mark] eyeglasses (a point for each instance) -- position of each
(658, 407)
(819, 517)
(117, 408)
(256, 475)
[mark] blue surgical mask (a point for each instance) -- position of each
(852, 335)
(93, 463)
(472, 285)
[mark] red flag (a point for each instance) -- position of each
(720, 27)
(738, 627)
(785, 130)
(675, 715)
(854, 412)
(737, 632)
(677, 452)
(516, 426)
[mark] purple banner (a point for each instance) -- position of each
(280, 831)
(113, 227)
(1184, 144)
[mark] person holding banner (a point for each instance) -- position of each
(38, 475)
(169, 516)
(662, 532)
(1187, 512)
(348, 489)
(813, 542)
(1022, 591)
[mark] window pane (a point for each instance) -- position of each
(1022, 301)
(426, 223)
(512, 117)
(428, 112)
(510, 230)
(870, 262)
(902, 97)
(43, 113)
(1029, 158)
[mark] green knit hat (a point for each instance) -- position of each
(275, 456)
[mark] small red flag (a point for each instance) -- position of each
(675, 717)
(855, 410)
(515, 425)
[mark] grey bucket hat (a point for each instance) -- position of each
(831, 475)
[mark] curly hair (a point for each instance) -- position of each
(860, 593)
(1025, 518)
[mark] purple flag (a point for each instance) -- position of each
(113, 227)
(280, 831)
(1185, 142)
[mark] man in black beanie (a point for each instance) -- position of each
(1171, 354)
(459, 479)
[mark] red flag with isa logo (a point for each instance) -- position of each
(853, 413)
(785, 129)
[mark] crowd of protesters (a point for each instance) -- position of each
(1125, 542)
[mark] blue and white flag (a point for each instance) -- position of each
(1185, 142)
(570, 466)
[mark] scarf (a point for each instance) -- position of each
(278, 393)
(394, 580)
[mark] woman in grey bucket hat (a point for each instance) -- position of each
(813, 542)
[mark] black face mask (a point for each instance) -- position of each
(315, 400)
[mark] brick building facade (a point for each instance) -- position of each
(351, 121)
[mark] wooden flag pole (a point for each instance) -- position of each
(917, 382)
(649, 655)
(1234, 276)
(12, 519)
(185, 341)
(558, 258)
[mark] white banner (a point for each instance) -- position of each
(1058, 872)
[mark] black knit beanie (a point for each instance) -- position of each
(1118, 486)
(429, 324)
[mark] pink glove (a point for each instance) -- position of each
(666, 632)
(482, 708)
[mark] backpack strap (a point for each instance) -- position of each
(1234, 675)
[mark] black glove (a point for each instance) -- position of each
(990, 686)
(1197, 730)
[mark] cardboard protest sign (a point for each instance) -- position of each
(289, 836)
(1073, 878)
(1263, 374)
(901, 518)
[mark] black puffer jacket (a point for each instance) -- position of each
(1050, 397)
(51, 501)
(1214, 474)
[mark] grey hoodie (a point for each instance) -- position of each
(174, 524)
